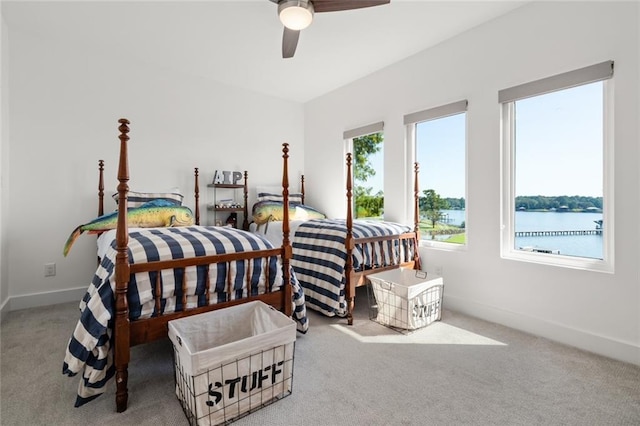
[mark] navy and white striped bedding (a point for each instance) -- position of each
(90, 348)
(319, 257)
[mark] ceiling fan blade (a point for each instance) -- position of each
(289, 42)
(337, 5)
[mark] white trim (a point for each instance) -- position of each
(440, 245)
(34, 300)
(507, 173)
(608, 167)
(4, 310)
(581, 339)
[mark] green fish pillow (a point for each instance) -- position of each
(153, 214)
(269, 211)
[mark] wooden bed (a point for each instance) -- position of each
(314, 275)
(127, 332)
(358, 278)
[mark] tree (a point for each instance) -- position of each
(455, 203)
(363, 147)
(432, 204)
(367, 205)
(544, 202)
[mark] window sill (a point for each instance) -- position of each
(442, 245)
(581, 263)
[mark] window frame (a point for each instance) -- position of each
(507, 99)
(348, 136)
(411, 122)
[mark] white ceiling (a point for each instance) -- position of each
(238, 42)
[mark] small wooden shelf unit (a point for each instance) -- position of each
(241, 209)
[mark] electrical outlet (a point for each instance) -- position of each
(49, 269)
(439, 270)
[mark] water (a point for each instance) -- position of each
(569, 245)
(453, 217)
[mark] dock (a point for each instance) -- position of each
(557, 233)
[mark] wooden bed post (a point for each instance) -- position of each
(100, 193)
(121, 329)
(197, 196)
(287, 251)
(100, 187)
(416, 216)
(245, 211)
(349, 245)
(302, 187)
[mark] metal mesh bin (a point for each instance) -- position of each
(233, 361)
(405, 299)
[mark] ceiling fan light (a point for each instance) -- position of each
(295, 14)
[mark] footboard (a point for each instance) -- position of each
(381, 254)
(149, 329)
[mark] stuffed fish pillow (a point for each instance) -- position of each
(269, 211)
(153, 214)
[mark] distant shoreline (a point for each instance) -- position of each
(558, 211)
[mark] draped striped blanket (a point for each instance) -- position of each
(90, 348)
(319, 258)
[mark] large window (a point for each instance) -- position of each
(439, 137)
(366, 144)
(557, 196)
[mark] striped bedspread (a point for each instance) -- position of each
(319, 258)
(89, 351)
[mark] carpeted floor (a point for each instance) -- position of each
(459, 371)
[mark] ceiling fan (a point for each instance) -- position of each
(297, 15)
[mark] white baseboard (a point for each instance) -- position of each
(601, 345)
(14, 303)
(4, 309)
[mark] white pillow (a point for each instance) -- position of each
(274, 193)
(136, 199)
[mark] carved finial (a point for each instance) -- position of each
(124, 128)
(285, 171)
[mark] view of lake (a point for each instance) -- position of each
(568, 245)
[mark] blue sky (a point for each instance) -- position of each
(559, 143)
(559, 147)
(440, 153)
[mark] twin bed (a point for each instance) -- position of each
(147, 277)
(331, 257)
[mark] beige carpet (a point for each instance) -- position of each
(460, 371)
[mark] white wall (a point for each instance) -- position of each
(63, 113)
(4, 163)
(595, 311)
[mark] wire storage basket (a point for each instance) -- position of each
(404, 299)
